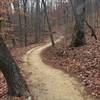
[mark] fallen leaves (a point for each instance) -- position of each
(82, 62)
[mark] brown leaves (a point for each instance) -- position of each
(3, 86)
(82, 62)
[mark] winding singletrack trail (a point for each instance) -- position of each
(49, 83)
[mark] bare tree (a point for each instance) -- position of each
(49, 26)
(25, 21)
(37, 21)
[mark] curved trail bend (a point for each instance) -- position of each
(49, 83)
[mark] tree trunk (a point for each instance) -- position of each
(78, 38)
(37, 22)
(20, 24)
(10, 70)
(25, 22)
(49, 26)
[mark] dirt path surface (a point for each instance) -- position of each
(49, 83)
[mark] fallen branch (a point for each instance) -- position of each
(92, 30)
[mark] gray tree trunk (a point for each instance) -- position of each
(37, 22)
(78, 38)
(49, 26)
(16, 84)
(25, 21)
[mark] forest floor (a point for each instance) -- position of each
(18, 53)
(83, 63)
(50, 83)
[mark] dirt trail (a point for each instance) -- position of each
(49, 83)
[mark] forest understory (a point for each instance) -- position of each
(34, 25)
(81, 62)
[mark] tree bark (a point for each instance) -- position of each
(49, 26)
(11, 72)
(25, 21)
(37, 22)
(78, 38)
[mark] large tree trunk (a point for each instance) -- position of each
(15, 82)
(78, 38)
(16, 85)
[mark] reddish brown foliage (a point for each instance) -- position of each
(82, 62)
